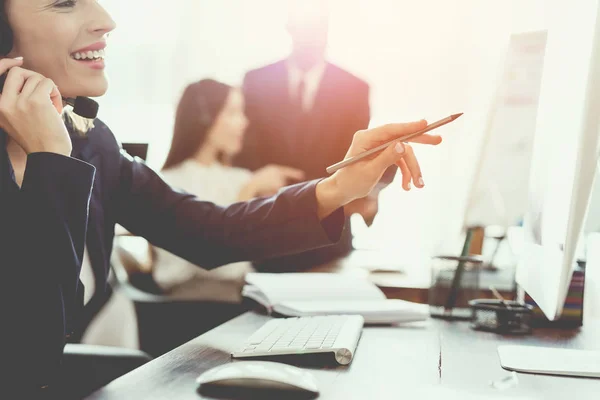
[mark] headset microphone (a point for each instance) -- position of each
(83, 106)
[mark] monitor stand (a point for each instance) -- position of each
(550, 361)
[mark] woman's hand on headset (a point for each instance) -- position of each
(30, 110)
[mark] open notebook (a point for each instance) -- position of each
(306, 294)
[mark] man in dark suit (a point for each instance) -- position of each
(303, 112)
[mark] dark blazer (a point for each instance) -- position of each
(276, 134)
(44, 225)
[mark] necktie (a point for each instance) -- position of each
(297, 128)
(300, 96)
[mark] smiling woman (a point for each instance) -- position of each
(61, 195)
(74, 27)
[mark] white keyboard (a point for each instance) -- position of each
(336, 334)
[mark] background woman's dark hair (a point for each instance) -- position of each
(6, 35)
(200, 104)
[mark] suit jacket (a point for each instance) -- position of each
(278, 133)
(65, 202)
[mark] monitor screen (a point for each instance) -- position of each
(564, 155)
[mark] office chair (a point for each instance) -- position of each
(164, 321)
(136, 149)
(89, 367)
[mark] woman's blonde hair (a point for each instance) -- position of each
(76, 124)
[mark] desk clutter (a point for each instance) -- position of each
(455, 281)
(390, 362)
(572, 315)
(503, 317)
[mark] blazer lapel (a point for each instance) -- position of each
(95, 238)
(287, 118)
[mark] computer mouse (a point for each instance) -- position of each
(248, 379)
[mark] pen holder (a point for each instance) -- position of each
(508, 317)
(454, 282)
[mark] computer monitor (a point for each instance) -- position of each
(565, 154)
(562, 172)
(564, 159)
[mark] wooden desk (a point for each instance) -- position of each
(390, 362)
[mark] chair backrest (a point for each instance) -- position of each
(131, 265)
(136, 149)
(135, 253)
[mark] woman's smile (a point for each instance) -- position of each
(91, 56)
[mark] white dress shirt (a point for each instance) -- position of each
(116, 322)
(312, 80)
(87, 277)
(216, 183)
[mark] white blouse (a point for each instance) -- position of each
(221, 185)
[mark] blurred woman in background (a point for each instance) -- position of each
(208, 133)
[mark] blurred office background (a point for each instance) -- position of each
(424, 59)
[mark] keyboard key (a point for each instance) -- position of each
(313, 345)
(260, 335)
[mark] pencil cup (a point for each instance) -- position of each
(454, 282)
